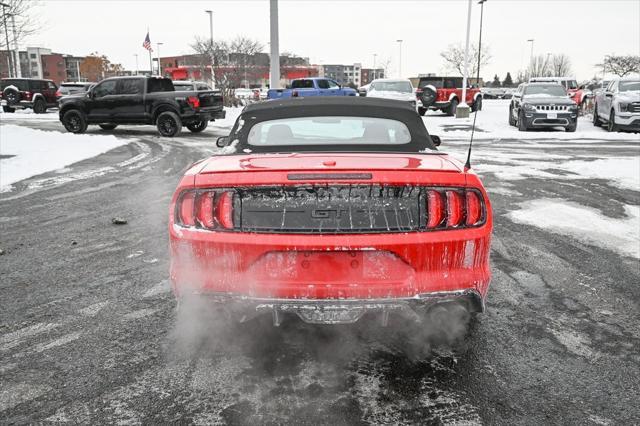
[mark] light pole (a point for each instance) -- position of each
(462, 111)
(6, 38)
(274, 80)
(136, 55)
(374, 67)
(399, 58)
(213, 77)
(159, 66)
(481, 3)
(531, 40)
(16, 59)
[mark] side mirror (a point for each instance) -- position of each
(436, 140)
(222, 141)
(90, 93)
(288, 86)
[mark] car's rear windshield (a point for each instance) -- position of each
(22, 85)
(545, 89)
(302, 84)
(181, 87)
(392, 86)
(629, 86)
(160, 85)
(441, 83)
(329, 130)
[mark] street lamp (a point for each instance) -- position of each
(6, 37)
(399, 58)
(374, 67)
(462, 111)
(213, 79)
(531, 40)
(159, 67)
(136, 55)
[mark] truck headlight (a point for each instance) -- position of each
(624, 107)
(529, 107)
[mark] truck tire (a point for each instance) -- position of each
(522, 126)
(107, 126)
(453, 106)
(197, 126)
(596, 119)
(572, 127)
(477, 104)
(428, 96)
(39, 106)
(169, 124)
(11, 95)
(422, 111)
(6, 108)
(74, 121)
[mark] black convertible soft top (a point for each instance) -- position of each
(333, 106)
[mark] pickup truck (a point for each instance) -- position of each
(445, 93)
(306, 87)
(141, 100)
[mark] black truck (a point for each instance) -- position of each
(141, 100)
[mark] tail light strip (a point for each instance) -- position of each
(446, 209)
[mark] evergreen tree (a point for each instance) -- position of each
(508, 81)
(496, 81)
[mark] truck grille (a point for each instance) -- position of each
(335, 209)
(551, 107)
(634, 107)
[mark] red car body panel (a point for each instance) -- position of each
(329, 266)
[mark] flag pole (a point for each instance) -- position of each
(150, 62)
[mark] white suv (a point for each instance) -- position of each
(618, 106)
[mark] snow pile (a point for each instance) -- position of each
(31, 152)
(28, 114)
(492, 123)
(584, 224)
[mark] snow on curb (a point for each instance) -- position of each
(33, 152)
(584, 224)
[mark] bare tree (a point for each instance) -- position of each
(561, 65)
(621, 65)
(27, 23)
(384, 65)
(454, 58)
(539, 66)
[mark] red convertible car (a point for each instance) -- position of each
(330, 208)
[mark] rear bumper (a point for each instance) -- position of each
(204, 115)
(344, 311)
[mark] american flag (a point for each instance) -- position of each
(147, 43)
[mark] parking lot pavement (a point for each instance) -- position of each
(89, 334)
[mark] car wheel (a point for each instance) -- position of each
(108, 126)
(452, 108)
(422, 111)
(169, 124)
(6, 108)
(11, 95)
(611, 125)
(512, 121)
(39, 107)
(522, 124)
(74, 121)
(572, 127)
(596, 119)
(197, 126)
(477, 104)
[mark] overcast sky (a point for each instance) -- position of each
(351, 31)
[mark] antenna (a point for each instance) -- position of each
(467, 165)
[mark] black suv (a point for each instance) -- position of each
(27, 93)
(539, 105)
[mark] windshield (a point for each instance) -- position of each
(329, 130)
(545, 89)
(181, 87)
(572, 84)
(392, 86)
(629, 86)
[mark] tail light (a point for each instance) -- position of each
(58, 93)
(194, 102)
(450, 208)
(27, 95)
(208, 209)
(294, 94)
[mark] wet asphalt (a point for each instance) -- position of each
(89, 332)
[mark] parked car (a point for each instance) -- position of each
(389, 88)
(330, 208)
(22, 93)
(141, 100)
(618, 105)
(577, 92)
(242, 93)
(493, 92)
(316, 86)
(70, 88)
(187, 85)
(539, 105)
(445, 94)
(362, 90)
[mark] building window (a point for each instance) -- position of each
(33, 56)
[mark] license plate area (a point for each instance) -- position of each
(552, 115)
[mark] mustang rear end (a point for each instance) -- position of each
(331, 231)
